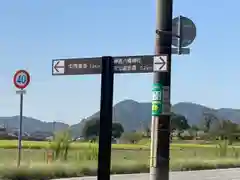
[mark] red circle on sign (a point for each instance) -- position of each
(21, 85)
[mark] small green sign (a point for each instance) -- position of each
(156, 108)
(157, 90)
(157, 94)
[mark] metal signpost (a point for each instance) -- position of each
(106, 112)
(183, 34)
(21, 80)
(179, 32)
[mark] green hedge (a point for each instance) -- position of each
(57, 170)
(45, 172)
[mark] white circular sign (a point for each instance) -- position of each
(21, 79)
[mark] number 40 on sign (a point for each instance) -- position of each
(21, 79)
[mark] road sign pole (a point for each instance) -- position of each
(160, 136)
(105, 136)
(21, 80)
(20, 130)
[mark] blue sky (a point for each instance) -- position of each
(33, 33)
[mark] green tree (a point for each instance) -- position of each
(208, 119)
(117, 130)
(225, 129)
(91, 129)
(179, 122)
(220, 129)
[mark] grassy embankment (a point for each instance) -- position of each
(126, 158)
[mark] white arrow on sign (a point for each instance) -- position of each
(58, 67)
(160, 63)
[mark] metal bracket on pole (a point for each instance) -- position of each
(180, 35)
(159, 32)
(179, 49)
(22, 91)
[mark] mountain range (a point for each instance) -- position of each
(131, 114)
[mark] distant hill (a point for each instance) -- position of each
(131, 114)
(31, 125)
(134, 115)
(193, 112)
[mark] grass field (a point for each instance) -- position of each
(40, 155)
(126, 158)
(36, 152)
(13, 144)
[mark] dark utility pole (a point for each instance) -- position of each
(159, 165)
(105, 136)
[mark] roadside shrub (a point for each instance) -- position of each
(91, 153)
(199, 164)
(235, 153)
(47, 172)
(222, 149)
(61, 145)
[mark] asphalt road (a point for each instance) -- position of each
(220, 174)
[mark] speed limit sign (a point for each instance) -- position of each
(21, 79)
